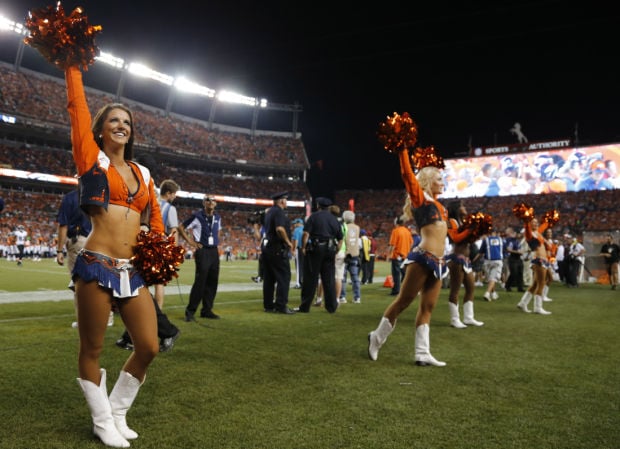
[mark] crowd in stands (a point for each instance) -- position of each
(193, 144)
(35, 96)
(579, 212)
(34, 158)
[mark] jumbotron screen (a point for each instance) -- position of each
(562, 170)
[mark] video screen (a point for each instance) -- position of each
(555, 171)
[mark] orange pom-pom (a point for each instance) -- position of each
(479, 223)
(63, 41)
(398, 133)
(426, 157)
(523, 212)
(157, 258)
(551, 217)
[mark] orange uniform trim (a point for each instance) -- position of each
(87, 155)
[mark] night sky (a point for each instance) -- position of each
(465, 73)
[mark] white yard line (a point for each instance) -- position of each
(67, 295)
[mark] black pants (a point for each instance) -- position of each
(206, 279)
(574, 265)
(276, 279)
(515, 279)
(320, 262)
(165, 329)
(364, 269)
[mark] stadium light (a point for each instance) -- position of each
(9, 25)
(232, 97)
(109, 59)
(185, 85)
(143, 71)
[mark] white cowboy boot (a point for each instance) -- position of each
(423, 355)
(468, 314)
(121, 398)
(538, 306)
(455, 320)
(101, 412)
(544, 294)
(377, 337)
(525, 300)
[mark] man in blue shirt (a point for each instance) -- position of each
(492, 249)
(298, 232)
(201, 231)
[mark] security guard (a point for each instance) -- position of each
(275, 250)
(321, 241)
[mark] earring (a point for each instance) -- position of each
(100, 136)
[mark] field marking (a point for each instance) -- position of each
(67, 295)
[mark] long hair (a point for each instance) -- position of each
(454, 208)
(97, 127)
(425, 178)
(407, 210)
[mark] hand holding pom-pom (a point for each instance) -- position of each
(63, 41)
(398, 133)
(425, 157)
(523, 212)
(479, 223)
(551, 217)
(157, 258)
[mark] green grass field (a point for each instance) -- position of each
(253, 380)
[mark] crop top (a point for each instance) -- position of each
(455, 235)
(534, 241)
(100, 183)
(427, 210)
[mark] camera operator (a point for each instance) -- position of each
(257, 220)
(275, 249)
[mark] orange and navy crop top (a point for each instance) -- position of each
(100, 185)
(455, 235)
(534, 241)
(426, 209)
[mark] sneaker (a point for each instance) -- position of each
(318, 302)
(495, 296)
(487, 296)
(257, 279)
(74, 325)
(357, 301)
(167, 343)
(478, 284)
(124, 344)
(342, 300)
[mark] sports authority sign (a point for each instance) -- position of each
(521, 148)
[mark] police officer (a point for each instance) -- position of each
(321, 241)
(275, 250)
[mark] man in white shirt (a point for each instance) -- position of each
(576, 259)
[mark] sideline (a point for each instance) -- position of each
(67, 295)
